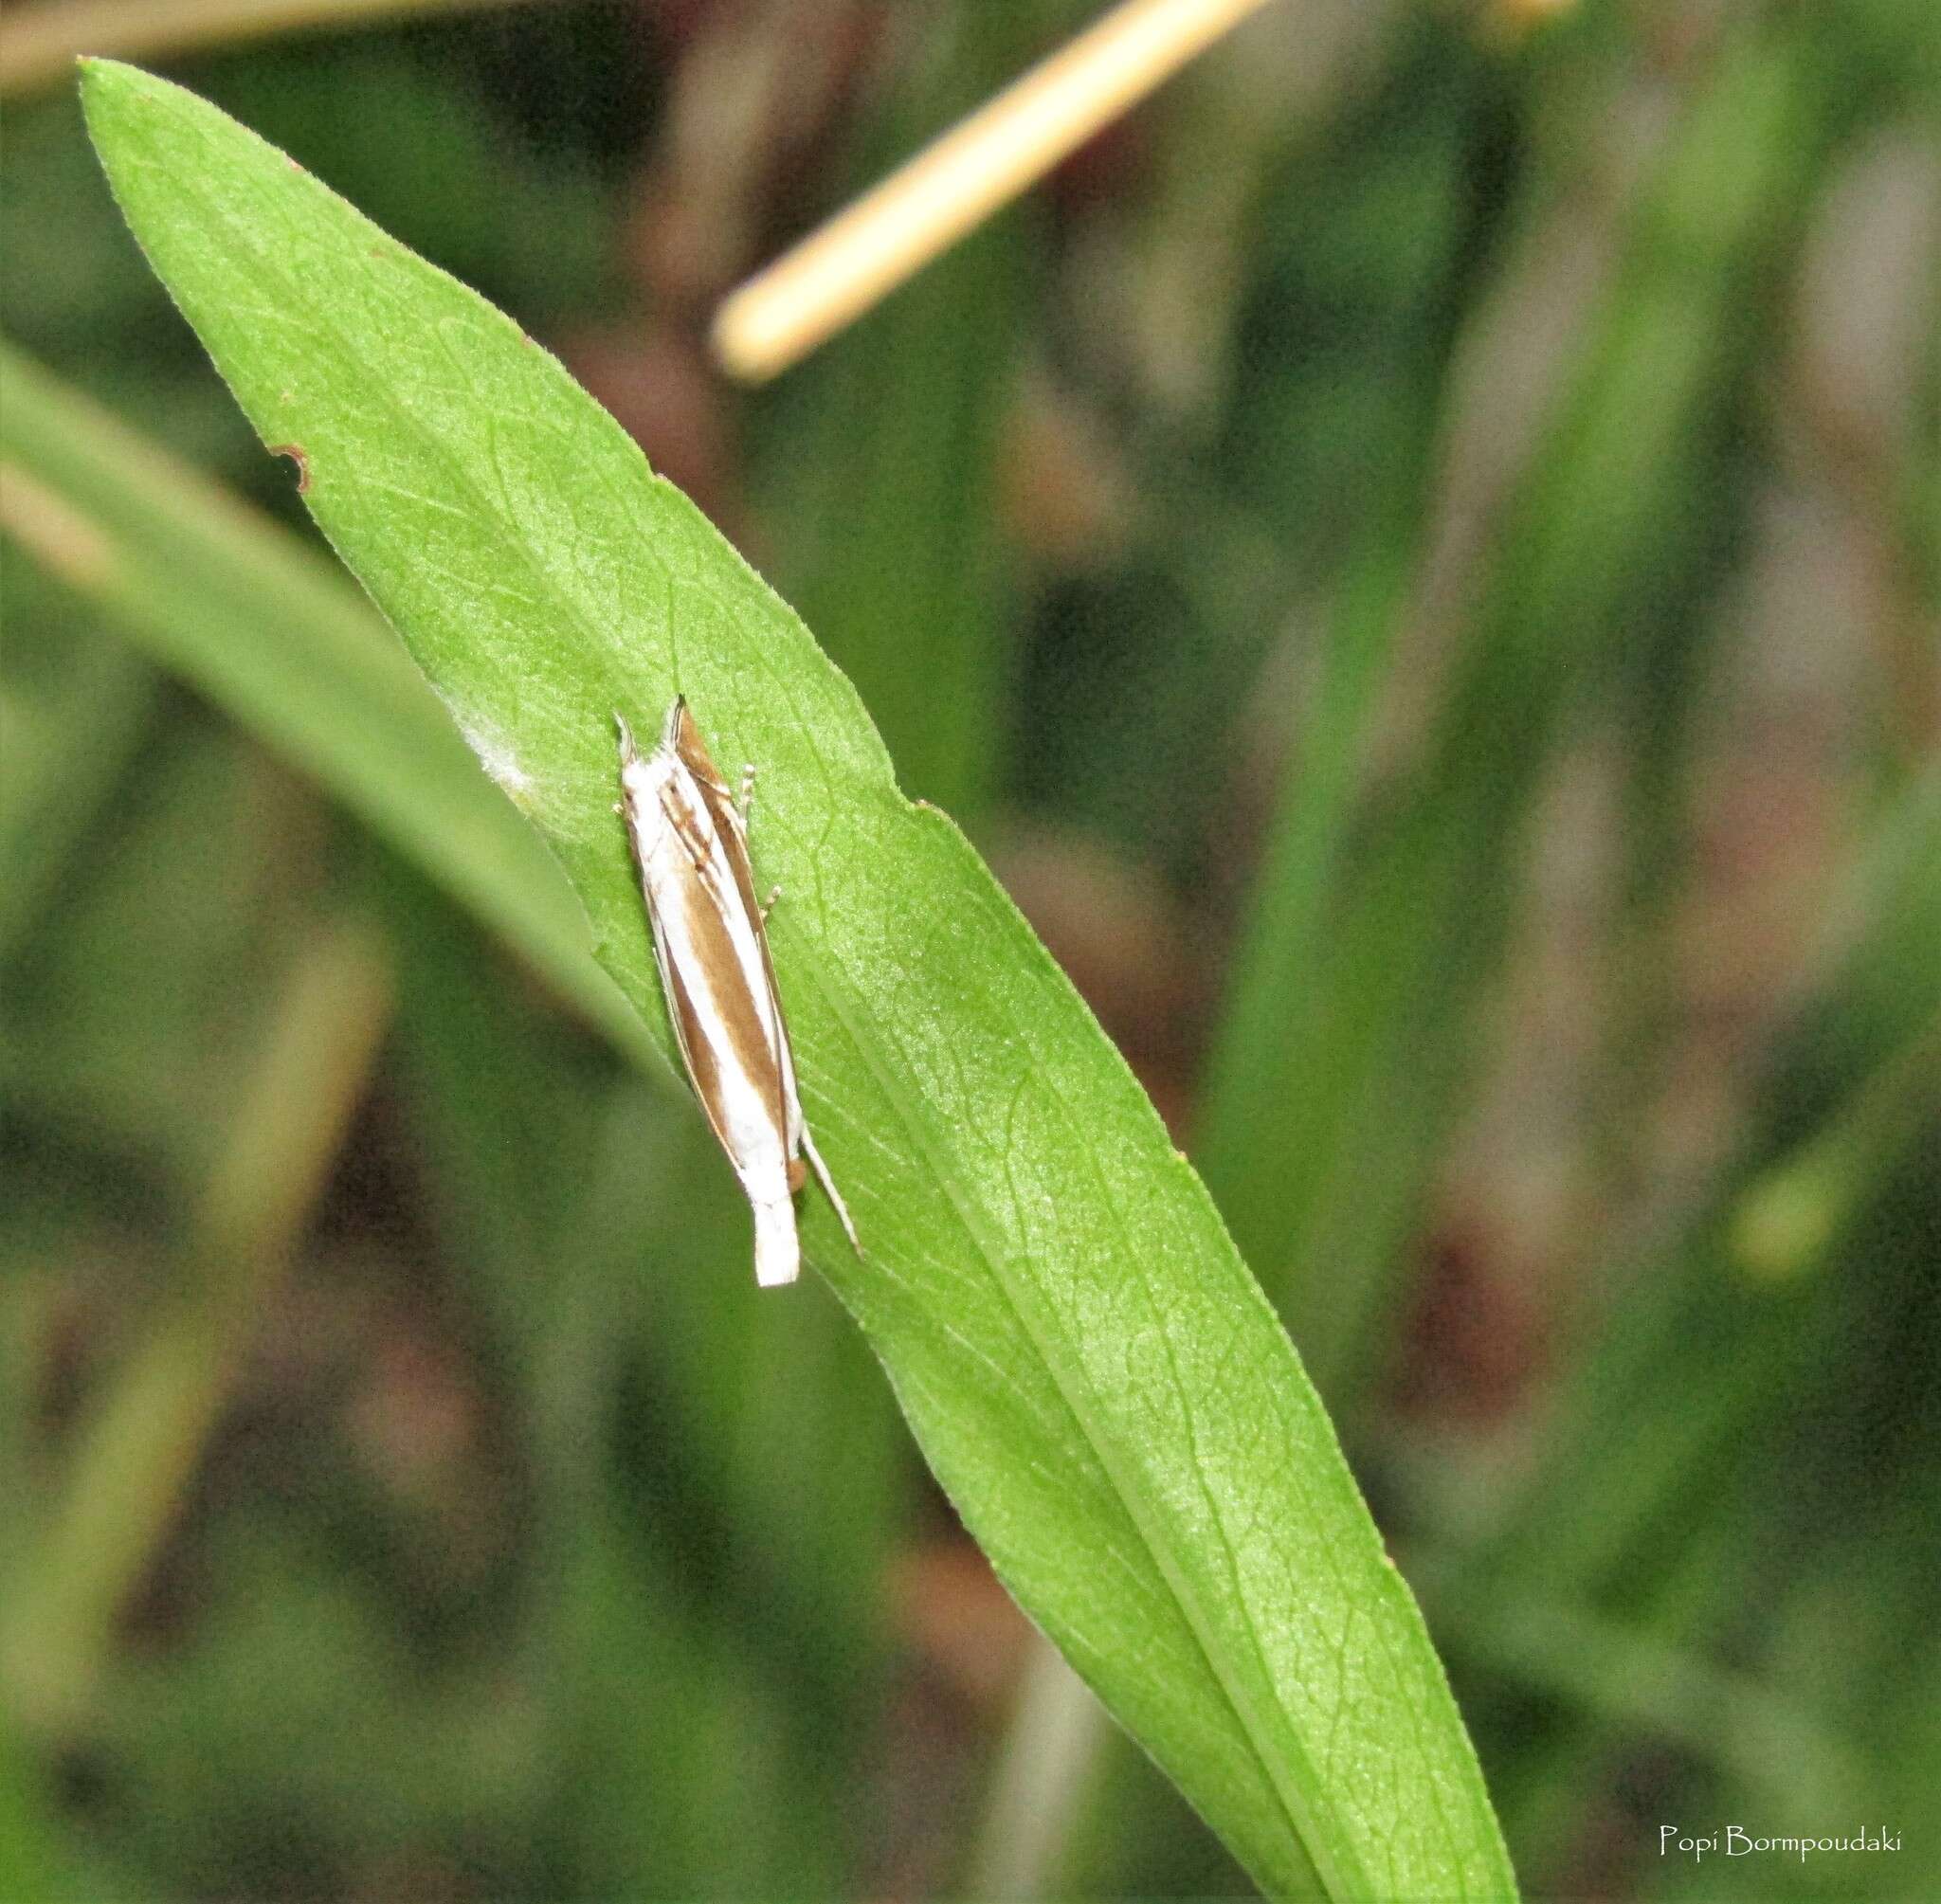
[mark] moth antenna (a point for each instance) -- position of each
(628, 752)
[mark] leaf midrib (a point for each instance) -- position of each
(1070, 1384)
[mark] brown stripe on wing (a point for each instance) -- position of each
(697, 1053)
(721, 986)
(792, 1102)
(734, 844)
(695, 839)
(684, 736)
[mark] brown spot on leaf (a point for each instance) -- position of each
(297, 455)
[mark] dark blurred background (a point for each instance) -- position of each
(1416, 555)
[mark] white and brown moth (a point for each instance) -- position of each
(690, 841)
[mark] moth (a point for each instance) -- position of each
(690, 843)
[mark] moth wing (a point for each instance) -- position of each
(785, 1054)
(683, 738)
(777, 1246)
(732, 887)
(695, 1056)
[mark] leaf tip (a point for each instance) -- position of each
(94, 71)
(100, 82)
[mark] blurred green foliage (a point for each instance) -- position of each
(1107, 1399)
(1370, 497)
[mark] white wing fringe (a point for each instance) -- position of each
(777, 1251)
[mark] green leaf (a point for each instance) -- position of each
(1085, 1361)
(235, 605)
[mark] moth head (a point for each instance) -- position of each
(642, 776)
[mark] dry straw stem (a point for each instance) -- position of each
(39, 44)
(890, 232)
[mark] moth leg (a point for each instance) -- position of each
(823, 1177)
(746, 796)
(769, 903)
